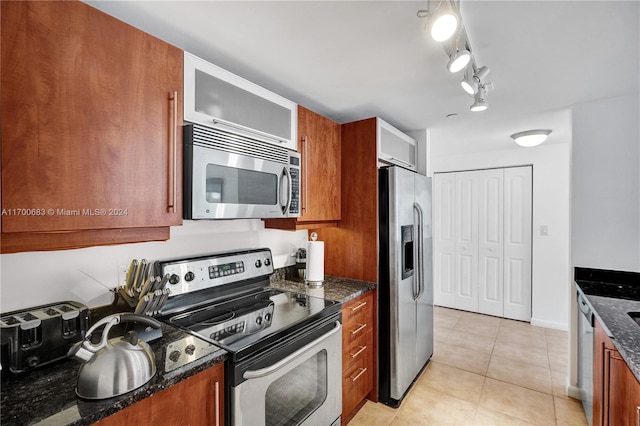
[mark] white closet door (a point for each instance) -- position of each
(490, 242)
(466, 259)
(444, 239)
(517, 243)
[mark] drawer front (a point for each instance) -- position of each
(354, 350)
(359, 310)
(357, 382)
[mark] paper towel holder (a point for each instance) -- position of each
(313, 284)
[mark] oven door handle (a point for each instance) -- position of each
(254, 374)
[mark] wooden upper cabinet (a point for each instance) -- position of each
(319, 146)
(91, 119)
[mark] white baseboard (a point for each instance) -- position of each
(550, 324)
(571, 390)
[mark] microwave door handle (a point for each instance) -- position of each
(287, 174)
(254, 374)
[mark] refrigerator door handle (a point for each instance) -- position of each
(420, 262)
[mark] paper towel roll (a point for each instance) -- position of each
(315, 261)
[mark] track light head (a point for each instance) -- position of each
(444, 24)
(469, 83)
(482, 72)
(459, 60)
(479, 104)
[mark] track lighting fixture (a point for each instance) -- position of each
(479, 103)
(531, 138)
(444, 21)
(459, 60)
(469, 83)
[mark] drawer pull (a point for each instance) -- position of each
(638, 415)
(357, 376)
(362, 349)
(359, 329)
(361, 305)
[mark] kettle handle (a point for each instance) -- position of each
(143, 319)
(112, 320)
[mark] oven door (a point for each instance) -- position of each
(291, 385)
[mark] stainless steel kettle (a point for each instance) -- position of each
(114, 366)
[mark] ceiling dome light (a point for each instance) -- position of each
(445, 24)
(531, 138)
(468, 83)
(459, 60)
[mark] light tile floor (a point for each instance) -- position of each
(486, 371)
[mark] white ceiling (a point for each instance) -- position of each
(351, 60)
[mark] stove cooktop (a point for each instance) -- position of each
(250, 322)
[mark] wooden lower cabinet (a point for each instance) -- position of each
(357, 353)
(195, 401)
(616, 393)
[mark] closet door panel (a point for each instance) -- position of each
(490, 242)
(444, 229)
(517, 242)
(466, 296)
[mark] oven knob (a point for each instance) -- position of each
(259, 320)
(267, 262)
(190, 349)
(189, 276)
(258, 263)
(173, 356)
(174, 279)
(267, 317)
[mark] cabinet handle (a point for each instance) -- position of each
(402, 162)
(304, 173)
(359, 329)
(173, 154)
(362, 349)
(355, 308)
(217, 398)
(638, 415)
(357, 376)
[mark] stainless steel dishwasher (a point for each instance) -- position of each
(585, 355)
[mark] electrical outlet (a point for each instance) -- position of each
(122, 274)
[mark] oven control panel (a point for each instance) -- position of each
(193, 274)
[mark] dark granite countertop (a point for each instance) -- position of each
(47, 395)
(338, 289)
(612, 294)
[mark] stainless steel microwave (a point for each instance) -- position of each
(232, 176)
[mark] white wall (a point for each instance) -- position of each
(86, 275)
(551, 183)
(606, 184)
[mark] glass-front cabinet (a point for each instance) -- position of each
(217, 98)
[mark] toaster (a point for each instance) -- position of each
(38, 336)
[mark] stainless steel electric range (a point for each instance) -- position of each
(285, 348)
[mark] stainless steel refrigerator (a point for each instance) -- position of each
(405, 281)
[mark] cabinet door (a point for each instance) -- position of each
(517, 243)
(321, 164)
(91, 111)
(490, 242)
(624, 394)
(216, 97)
(197, 400)
(395, 147)
(444, 228)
